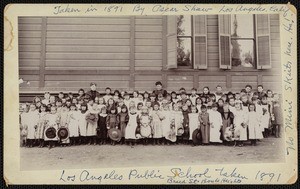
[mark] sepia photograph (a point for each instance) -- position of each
(151, 90)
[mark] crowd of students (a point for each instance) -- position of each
(159, 118)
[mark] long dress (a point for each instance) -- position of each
(123, 118)
(255, 132)
(178, 116)
(157, 123)
(41, 125)
(73, 124)
(102, 126)
(112, 121)
(215, 126)
(227, 118)
(51, 121)
(166, 123)
(193, 123)
(82, 123)
(204, 127)
(144, 122)
(31, 120)
(185, 124)
(131, 126)
(239, 119)
(92, 124)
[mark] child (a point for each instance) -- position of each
(52, 121)
(193, 122)
(253, 125)
(120, 103)
(90, 104)
(135, 97)
(92, 121)
(194, 96)
(220, 105)
(110, 104)
(166, 122)
(198, 104)
(112, 121)
(204, 125)
(80, 94)
(219, 92)
(63, 122)
(265, 119)
(107, 94)
(227, 121)
(41, 126)
(73, 125)
(183, 97)
(101, 103)
(157, 118)
(185, 123)
(239, 123)
(178, 120)
(31, 121)
(174, 97)
(123, 118)
(144, 123)
(153, 99)
(116, 96)
(82, 123)
(277, 118)
(131, 126)
(215, 124)
(231, 102)
(102, 129)
(46, 98)
(126, 99)
(189, 104)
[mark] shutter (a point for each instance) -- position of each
(200, 42)
(225, 41)
(171, 42)
(263, 49)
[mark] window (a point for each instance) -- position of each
(242, 41)
(184, 40)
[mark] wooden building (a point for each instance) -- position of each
(132, 53)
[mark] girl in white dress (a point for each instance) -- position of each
(216, 123)
(166, 122)
(255, 131)
(41, 126)
(82, 123)
(73, 124)
(193, 121)
(31, 119)
(239, 122)
(157, 123)
(131, 126)
(52, 121)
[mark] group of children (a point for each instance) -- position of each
(158, 117)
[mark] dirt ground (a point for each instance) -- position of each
(84, 156)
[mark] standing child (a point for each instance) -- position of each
(110, 104)
(204, 125)
(63, 122)
(157, 118)
(194, 96)
(166, 123)
(227, 117)
(198, 104)
(277, 118)
(144, 121)
(254, 125)
(31, 121)
(185, 123)
(178, 119)
(73, 124)
(123, 118)
(52, 121)
(41, 126)
(112, 121)
(127, 99)
(131, 126)
(239, 123)
(265, 119)
(193, 122)
(82, 123)
(107, 94)
(215, 124)
(92, 121)
(102, 129)
(101, 103)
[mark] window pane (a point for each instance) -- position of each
(184, 25)
(242, 26)
(242, 53)
(184, 49)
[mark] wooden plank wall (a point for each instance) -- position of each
(124, 53)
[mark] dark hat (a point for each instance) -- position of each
(63, 133)
(50, 133)
(248, 86)
(158, 83)
(196, 136)
(115, 134)
(180, 131)
(93, 84)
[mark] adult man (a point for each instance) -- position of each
(159, 89)
(92, 94)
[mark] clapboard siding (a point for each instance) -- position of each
(148, 44)
(78, 49)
